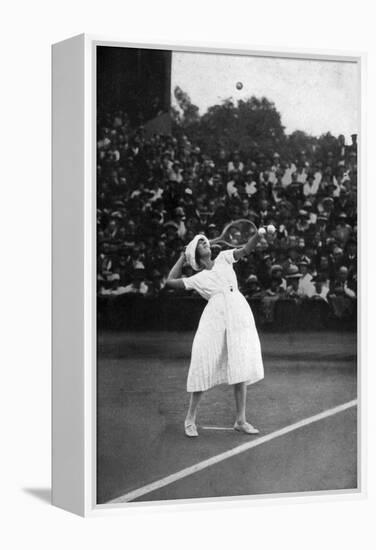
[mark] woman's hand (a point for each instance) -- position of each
(248, 247)
(183, 256)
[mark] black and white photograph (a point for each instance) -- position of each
(226, 275)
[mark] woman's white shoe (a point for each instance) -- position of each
(190, 429)
(246, 428)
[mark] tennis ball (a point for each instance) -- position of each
(261, 231)
(270, 229)
(239, 85)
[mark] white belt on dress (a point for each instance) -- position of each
(224, 291)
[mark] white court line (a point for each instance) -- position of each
(230, 453)
(216, 428)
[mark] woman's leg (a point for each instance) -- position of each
(241, 425)
(240, 391)
(193, 404)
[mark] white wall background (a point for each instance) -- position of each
(27, 30)
(313, 96)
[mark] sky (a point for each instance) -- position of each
(313, 96)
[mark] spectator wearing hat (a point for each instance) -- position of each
(326, 206)
(292, 279)
(277, 275)
(250, 184)
(135, 200)
(252, 288)
(290, 259)
(274, 289)
(322, 225)
(328, 183)
(235, 165)
(282, 234)
(302, 224)
(342, 296)
(320, 289)
(337, 256)
(309, 208)
(155, 283)
(343, 230)
(294, 191)
(311, 186)
(341, 285)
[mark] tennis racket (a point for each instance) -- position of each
(236, 233)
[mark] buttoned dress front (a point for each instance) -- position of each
(226, 347)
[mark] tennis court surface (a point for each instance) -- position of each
(305, 409)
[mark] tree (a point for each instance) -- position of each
(300, 141)
(249, 126)
(188, 113)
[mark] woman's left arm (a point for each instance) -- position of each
(247, 248)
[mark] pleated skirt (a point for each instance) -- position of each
(226, 347)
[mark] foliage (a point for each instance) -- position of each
(248, 125)
(188, 113)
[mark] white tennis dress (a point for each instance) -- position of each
(226, 347)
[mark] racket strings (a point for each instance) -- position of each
(237, 233)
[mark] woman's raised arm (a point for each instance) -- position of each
(174, 279)
(247, 248)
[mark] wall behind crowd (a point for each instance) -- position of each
(154, 194)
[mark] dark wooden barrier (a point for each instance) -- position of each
(171, 312)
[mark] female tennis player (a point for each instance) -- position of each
(226, 347)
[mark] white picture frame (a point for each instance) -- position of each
(74, 274)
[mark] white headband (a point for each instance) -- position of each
(190, 251)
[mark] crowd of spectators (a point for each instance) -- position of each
(154, 193)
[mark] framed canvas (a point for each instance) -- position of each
(206, 203)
